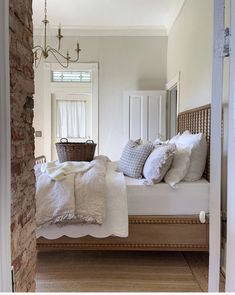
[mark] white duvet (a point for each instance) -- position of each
(71, 192)
(116, 214)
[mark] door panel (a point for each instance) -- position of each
(145, 115)
(136, 114)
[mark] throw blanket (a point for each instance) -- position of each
(70, 192)
(59, 171)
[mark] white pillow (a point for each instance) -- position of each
(159, 141)
(198, 145)
(158, 163)
(174, 139)
(179, 167)
(169, 141)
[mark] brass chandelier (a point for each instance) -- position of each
(43, 51)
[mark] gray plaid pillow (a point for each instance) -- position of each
(133, 158)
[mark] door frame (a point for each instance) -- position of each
(216, 147)
(170, 85)
(48, 67)
(230, 257)
(5, 152)
(175, 82)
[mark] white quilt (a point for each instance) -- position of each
(71, 192)
(116, 216)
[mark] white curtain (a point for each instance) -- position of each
(71, 118)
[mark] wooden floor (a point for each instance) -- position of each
(122, 271)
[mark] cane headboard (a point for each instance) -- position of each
(198, 121)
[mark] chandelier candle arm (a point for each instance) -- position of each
(59, 36)
(45, 49)
(62, 64)
(45, 22)
(37, 59)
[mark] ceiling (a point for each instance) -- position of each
(154, 17)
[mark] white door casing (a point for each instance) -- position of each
(216, 148)
(230, 256)
(175, 82)
(5, 152)
(144, 115)
(50, 88)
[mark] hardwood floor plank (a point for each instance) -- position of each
(115, 271)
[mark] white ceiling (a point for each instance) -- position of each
(156, 16)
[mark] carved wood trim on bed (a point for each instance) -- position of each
(154, 233)
(146, 233)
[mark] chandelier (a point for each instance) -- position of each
(44, 50)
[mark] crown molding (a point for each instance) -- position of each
(106, 31)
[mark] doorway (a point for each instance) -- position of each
(64, 89)
(171, 115)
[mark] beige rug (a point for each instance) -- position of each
(122, 271)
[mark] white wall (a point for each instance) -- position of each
(190, 53)
(125, 63)
(39, 111)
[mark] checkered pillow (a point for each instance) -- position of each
(133, 158)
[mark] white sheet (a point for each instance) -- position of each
(115, 223)
(188, 198)
(160, 199)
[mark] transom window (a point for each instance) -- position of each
(71, 76)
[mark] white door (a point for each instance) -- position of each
(144, 115)
(71, 118)
(230, 260)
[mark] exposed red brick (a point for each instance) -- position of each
(22, 145)
(17, 263)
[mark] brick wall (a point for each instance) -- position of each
(22, 145)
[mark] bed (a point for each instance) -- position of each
(169, 221)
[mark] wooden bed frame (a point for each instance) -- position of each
(153, 233)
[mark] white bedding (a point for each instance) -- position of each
(188, 198)
(137, 199)
(116, 220)
(160, 199)
(70, 192)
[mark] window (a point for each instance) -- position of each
(71, 118)
(71, 76)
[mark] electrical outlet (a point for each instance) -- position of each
(38, 133)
